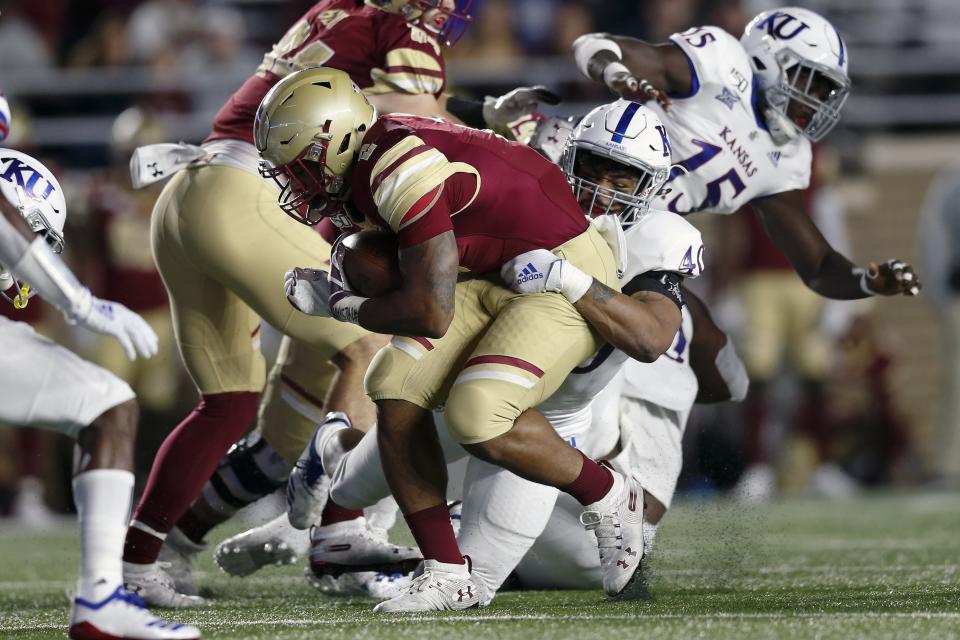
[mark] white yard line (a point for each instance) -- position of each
(508, 617)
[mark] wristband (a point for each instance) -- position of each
(589, 45)
(574, 283)
(615, 70)
(347, 309)
(731, 369)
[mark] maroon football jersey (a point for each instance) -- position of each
(381, 52)
(421, 177)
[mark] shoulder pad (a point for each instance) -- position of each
(664, 241)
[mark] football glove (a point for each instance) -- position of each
(522, 101)
(113, 319)
(540, 271)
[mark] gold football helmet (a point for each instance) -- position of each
(308, 130)
(448, 20)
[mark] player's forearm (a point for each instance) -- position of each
(834, 277)
(641, 328)
(403, 314)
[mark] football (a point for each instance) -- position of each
(370, 263)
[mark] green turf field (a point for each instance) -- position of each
(876, 567)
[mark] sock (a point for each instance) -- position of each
(433, 532)
(194, 527)
(592, 484)
(183, 465)
(334, 513)
(103, 498)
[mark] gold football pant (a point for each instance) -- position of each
(502, 354)
(222, 245)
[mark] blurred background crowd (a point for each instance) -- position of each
(844, 396)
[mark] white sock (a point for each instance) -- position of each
(103, 499)
(328, 444)
(649, 533)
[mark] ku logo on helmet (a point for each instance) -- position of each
(34, 186)
(778, 23)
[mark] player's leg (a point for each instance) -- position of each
(52, 387)
(259, 464)
(216, 334)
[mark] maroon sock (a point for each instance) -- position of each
(593, 483)
(433, 532)
(185, 462)
(192, 526)
(334, 513)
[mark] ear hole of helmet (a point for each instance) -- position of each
(345, 144)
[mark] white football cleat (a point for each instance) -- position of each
(370, 584)
(308, 485)
(617, 521)
(437, 586)
(151, 583)
(350, 547)
(176, 559)
(274, 543)
(122, 615)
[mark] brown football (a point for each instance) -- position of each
(370, 263)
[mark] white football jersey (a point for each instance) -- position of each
(668, 381)
(718, 137)
(659, 241)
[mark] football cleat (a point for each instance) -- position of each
(350, 547)
(122, 615)
(437, 586)
(274, 543)
(176, 559)
(617, 522)
(308, 485)
(370, 584)
(151, 583)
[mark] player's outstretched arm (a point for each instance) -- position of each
(720, 372)
(29, 258)
(634, 69)
(823, 269)
(642, 324)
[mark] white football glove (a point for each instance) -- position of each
(540, 271)
(522, 101)
(113, 319)
(308, 290)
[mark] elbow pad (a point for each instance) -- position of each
(54, 281)
(590, 44)
(732, 371)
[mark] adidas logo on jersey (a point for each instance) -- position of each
(774, 158)
(529, 273)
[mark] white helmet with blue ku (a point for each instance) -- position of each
(626, 133)
(800, 62)
(31, 187)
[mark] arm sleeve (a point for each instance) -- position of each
(663, 282)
